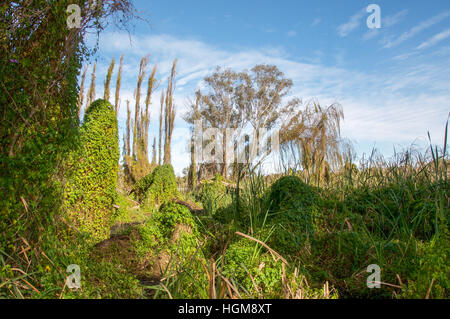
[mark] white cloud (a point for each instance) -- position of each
(435, 39)
(390, 106)
(416, 29)
(386, 22)
(371, 34)
(351, 24)
(404, 56)
(392, 20)
(442, 51)
(291, 33)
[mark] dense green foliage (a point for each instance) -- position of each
(214, 195)
(287, 191)
(265, 236)
(40, 62)
(169, 244)
(294, 211)
(157, 187)
(390, 215)
(91, 190)
(248, 267)
(158, 231)
(36, 133)
(39, 127)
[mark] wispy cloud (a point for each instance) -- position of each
(392, 107)
(404, 56)
(444, 51)
(372, 33)
(386, 22)
(389, 21)
(291, 33)
(435, 39)
(351, 24)
(416, 29)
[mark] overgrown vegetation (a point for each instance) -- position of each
(158, 187)
(232, 232)
(40, 61)
(91, 189)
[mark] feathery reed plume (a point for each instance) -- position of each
(91, 92)
(108, 80)
(137, 110)
(146, 118)
(119, 80)
(169, 119)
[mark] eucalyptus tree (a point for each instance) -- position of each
(218, 107)
(264, 97)
(232, 100)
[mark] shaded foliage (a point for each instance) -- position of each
(157, 187)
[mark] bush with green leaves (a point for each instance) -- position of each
(430, 278)
(293, 209)
(245, 260)
(214, 195)
(91, 190)
(157, 232)
(288, 191)
(168, 244)
(169, 228)
(341, 258)
(39, 113)
(158, 187)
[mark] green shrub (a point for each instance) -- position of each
(168, 244)
(91, 190)
(341, 253)
(158, 187)
(342, 257)
(290, 190)
(431, 277)
(214, 195)
(158, 230)
(245, 260)
(255, 273)
(293, 208)
(168, 229)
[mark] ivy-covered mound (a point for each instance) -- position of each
(293, 209)
(167, 245)
(91, 190)
(158, 187)
(170, 233)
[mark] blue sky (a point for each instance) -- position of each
(392, 82)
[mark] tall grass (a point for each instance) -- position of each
(392, 212)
